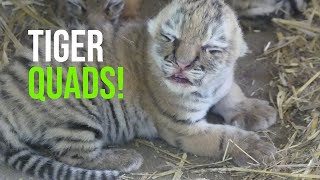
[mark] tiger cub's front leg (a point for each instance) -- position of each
(246, 113)
(206, 139)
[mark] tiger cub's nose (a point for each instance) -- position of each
(183, 64)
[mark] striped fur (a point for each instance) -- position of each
(86, 11)
(45, 168)
(251, 8)
(178, 66)
(89, 11)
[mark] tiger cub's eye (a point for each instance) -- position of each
(212, 50)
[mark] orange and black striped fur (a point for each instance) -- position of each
(178, 67)
(252, 8)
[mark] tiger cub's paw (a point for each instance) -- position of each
(123, 160)
(253, 115)
(252, 149)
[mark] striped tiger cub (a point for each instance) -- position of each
(285, 8)
(179, 66)
(93, 12)
(89, 11)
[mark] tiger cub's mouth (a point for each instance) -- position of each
(180, 79)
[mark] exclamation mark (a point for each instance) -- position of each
(120, 82)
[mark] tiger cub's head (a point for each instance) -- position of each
(194, 42)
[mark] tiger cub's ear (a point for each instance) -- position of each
(104, 10)
(114, 9)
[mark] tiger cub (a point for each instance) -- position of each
(247, 8)
(179, 66)
(93, 12)
(79, 10)
(285, 8)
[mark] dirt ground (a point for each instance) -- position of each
(252, 75)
